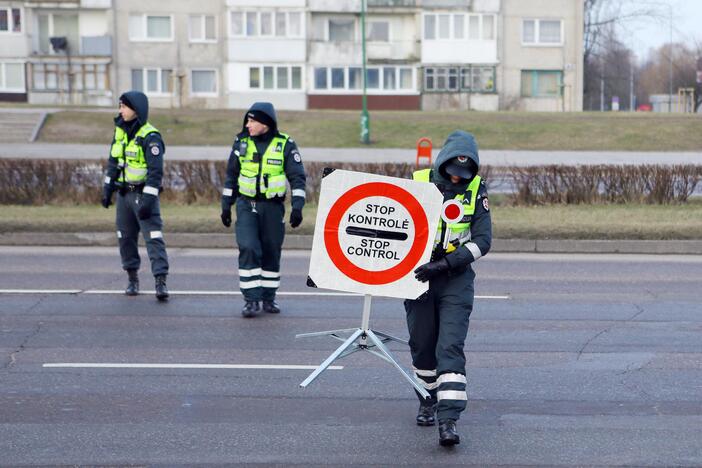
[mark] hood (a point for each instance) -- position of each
(458, 143)
(265, 108)
(139, 102)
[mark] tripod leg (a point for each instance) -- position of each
(390, 337)
(335, 355)
(386, 352)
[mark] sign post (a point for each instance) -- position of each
(371, 233)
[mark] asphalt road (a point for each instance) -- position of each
(589, 360)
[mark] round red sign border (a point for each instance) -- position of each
(341, 206)
(446, 205)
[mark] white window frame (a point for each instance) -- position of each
(3, 75)
(216, 75)
(460, 70)
(203, 23)
(380, 90)
(289, 68)
(145, 80)
(144, 25)
(11, 20)
(273, 34)
(466, 26)
(50, 33)
(537, 25)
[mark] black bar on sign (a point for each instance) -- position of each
(375, 233)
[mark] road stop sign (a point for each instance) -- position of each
(372, 232)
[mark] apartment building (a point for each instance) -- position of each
(73, 68)
(172, 51)
(299, 54)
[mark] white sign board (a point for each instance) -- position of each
(372, 232)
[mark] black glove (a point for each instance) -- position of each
(107, 190)
(146, 206)
(430, 270)
(226, 217)
(295, 217)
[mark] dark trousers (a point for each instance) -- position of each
(128, 227)
(438, 326)
(260, 229)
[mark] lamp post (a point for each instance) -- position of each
(670, 62)
(365, 118)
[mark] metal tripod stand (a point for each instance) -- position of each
(368, 340)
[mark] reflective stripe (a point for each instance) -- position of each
(270, 274)
(151, 190)
(249, 273)
(451, 395)
(475, 250)
(107, 180)
(298, 193)
(119, 234)
(227, 192)
(249, 284)
(424, 373)
(429, 386)
(457, 378)
(270, 284)
(156, 234)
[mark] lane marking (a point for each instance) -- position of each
(198, 293)
(115, 365)
(40, 291)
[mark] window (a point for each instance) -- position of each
(542, 32)
(378, 31)
(53, 25)
(150, 28)
(474, 78)
(541, 83)
(446, 26)
(203, 82)
(152, 80)
(202, 28)
(265, 23)
(10, 20)
(275, 77)
(12, 77)
(341, 30)
(387, 78)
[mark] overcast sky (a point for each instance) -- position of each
(643, 35)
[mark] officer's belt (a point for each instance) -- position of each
(134, 187)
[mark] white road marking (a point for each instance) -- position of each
(115, 365)
(196, 293)
(40, 291)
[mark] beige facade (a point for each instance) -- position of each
(542, 55)
(172, 51)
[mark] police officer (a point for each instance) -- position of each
(438, 320)
(261, 160)
(135, 170)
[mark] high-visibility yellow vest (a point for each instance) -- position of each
(130, 154)
(267, 171)
(457, 233)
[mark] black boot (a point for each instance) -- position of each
(161, 289)
(271, 307)
(250, 309)
(427, 411)
(447, 433)
(133, 284)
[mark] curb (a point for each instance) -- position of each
(304, 242)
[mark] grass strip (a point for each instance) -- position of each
(644, 222)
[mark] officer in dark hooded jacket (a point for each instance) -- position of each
(135, 170)
(438, 320)
(261, 160)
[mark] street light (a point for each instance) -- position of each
(365, 118)
(670, 61)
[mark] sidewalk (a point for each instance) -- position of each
(387, 155)
(300, 242)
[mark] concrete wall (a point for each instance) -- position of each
(566, 57)
(180, 54)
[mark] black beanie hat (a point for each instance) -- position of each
(261, 117)
(125, 100)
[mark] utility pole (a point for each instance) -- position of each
(670, 62)
(602, 104)
(632, 97)
(365, 118)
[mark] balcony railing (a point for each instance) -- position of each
(391, 3)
